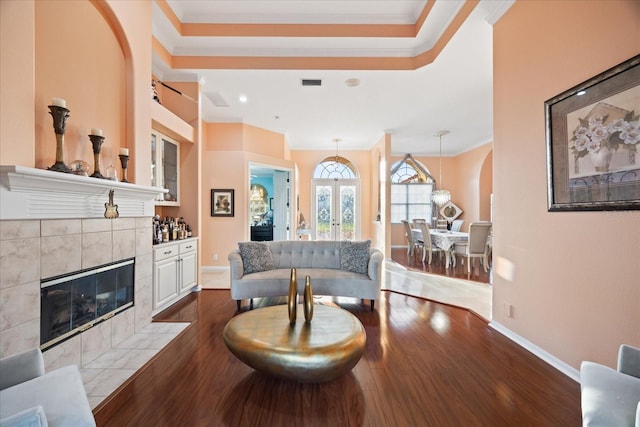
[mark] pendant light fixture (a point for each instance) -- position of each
(440, 196)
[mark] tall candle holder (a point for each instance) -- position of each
(124, 159)
(59, 115)
(96, 142)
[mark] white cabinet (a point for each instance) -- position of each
(175, 272)
(188, 266)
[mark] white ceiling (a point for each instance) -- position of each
(454, 92)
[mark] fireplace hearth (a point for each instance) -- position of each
(75, 302)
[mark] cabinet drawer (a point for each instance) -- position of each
(188, 246)
(165, 252)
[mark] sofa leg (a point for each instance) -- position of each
(238, 302)
(372, 304)
(251, 304)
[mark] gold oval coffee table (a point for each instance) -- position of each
(315, 352)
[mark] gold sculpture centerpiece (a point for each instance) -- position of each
(305, 352)
(292, 301)
(308, 300)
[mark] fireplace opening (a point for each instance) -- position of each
(75, 302)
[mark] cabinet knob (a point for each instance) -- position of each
(167, 252)
(188, 247)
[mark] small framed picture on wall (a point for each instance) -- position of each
(222, 202)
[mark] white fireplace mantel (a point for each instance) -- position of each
(29, 193)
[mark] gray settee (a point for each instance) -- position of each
(611, 398)
(29, 397)
(349, 269)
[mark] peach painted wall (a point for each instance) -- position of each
(575, 286)
(380, 156)
(17, 71)
(117, 33)
(263, 142)
(307, 160)
(78, 59)
(468, 190)
(131, 24)
(486, 187)
(224, 144)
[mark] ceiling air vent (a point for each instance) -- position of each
(217, 99)
(311, 82)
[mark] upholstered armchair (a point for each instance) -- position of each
(31, 397)
(612, 397)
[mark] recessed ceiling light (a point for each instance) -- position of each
(582, 92)
(242, 98)
(353, 82)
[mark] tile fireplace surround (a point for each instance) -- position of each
(51, 224)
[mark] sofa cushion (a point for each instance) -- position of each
(256, 256)
(354, 256)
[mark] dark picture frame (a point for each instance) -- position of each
(222, 202)
(593, 142)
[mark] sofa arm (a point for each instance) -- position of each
(375, 265)
(608, 397)
(21, 367)
(30, 417)
(629, 360)
(235, 262)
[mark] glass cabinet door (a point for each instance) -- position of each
(165, 166)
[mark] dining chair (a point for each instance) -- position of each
(457, 224)
(427, 246)
(477, 245)
(412, 243)
(441, 224)
(417, 221)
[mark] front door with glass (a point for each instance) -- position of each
(335, 209)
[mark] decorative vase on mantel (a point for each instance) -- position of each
(601, 159)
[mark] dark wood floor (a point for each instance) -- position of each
(414, 262)
(425, 364)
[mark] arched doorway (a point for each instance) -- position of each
(335, 189)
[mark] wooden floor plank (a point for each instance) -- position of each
(425, 364)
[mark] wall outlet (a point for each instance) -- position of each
(508, 309)
(214, 256)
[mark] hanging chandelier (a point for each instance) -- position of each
(255, 194)
(440, 196)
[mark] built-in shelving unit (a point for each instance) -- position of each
(165, 121)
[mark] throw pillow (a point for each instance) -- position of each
(256, 256)
(354, 256)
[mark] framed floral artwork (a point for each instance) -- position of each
(593, 138)
(222, 203)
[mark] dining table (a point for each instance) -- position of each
(444, 239)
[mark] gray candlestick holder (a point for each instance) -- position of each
(124, 160)
(60, 115)
(96, 142)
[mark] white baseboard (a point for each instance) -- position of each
(214, 268)
(566, 369)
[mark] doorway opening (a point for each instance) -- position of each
(269, 202)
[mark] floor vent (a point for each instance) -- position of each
(311, 82)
